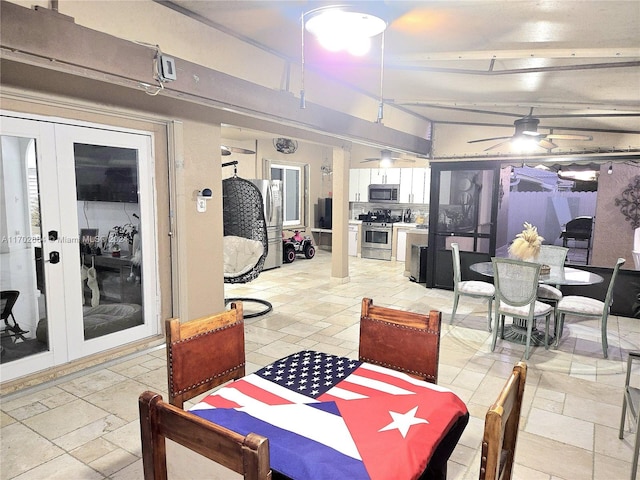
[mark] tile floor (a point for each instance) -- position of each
(86, 426)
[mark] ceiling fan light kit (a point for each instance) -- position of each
(526, 137)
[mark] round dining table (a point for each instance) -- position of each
(557, 276)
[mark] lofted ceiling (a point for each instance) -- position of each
(574, 65)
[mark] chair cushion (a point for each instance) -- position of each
(523, 312)
(473, 287)
(549, 293)
(240, 255)
(581, 305)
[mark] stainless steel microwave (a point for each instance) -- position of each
(384, 193)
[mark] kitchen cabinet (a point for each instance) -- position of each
(415, 185)
(352, 249)
(401, 242)
(359, 180)
(385, 175)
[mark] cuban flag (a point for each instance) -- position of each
(330, 417)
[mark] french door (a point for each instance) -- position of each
(77, 249)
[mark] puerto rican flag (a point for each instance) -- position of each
(330, 417)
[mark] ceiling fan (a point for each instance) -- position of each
(225, 150)
(527, 130)
(386, 159)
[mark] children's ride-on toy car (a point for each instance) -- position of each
(297, 245)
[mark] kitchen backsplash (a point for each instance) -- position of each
(397, 209)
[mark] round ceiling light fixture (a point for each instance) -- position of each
(342, 28)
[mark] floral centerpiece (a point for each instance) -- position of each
(526, 245)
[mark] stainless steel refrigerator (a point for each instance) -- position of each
(273, 203)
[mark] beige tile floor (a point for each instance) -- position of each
(86, 427)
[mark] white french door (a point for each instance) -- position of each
(78, 241)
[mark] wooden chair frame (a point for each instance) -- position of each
(247, 455)
(404, 341)
(204, 353)
(501, 428)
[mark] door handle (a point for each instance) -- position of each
(54, 257)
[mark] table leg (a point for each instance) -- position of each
(517, 333)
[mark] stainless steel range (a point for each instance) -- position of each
(376, 240)
(377, 234)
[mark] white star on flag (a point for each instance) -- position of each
(403, 421)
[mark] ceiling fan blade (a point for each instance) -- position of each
(487, 139)
(544, 143)
(230, 150)
(498, 145)
(562, 136)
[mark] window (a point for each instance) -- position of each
(293, 188)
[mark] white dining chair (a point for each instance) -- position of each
(516, 285)
(587, 307)
(555, 257)
(470, 288)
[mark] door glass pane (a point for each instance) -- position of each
(464, 209)
(23, 298)
(109, 238)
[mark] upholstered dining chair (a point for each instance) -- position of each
(469, 288)
(404, 341)
(631, 401)
(555, 257)
(516, 285)
(501, 428)
(204, 353)
(587, 307)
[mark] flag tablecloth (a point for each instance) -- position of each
(329, 417)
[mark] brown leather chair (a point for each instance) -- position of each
(501, 428)
(247, 455)
(405, 341)
(204, 353)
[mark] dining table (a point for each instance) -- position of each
(329, 417)
(557, 276)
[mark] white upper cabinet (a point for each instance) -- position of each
(415, 185)
(385, 175)
(359, 180)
